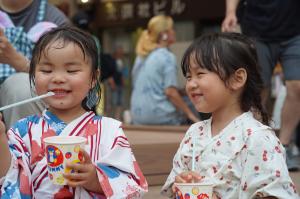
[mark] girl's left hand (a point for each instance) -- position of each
(85, 175)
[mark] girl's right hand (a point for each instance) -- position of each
(186, 177)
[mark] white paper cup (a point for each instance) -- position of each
(193, 190)
(59, 150)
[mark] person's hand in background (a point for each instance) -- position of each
(9, 55)
(230, 23)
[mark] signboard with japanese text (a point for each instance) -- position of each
(137, 12)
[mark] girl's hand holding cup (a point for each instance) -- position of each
(187, 177)
(85, 174)
(193, 178)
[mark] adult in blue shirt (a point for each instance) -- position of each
(156, 98)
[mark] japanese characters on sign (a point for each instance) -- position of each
(133, 12)
(142, 9)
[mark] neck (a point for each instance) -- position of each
(221, 118)
(14, 6)
(67, 115)
(163, 44)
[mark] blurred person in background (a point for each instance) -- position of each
(156, 98)
(22, 22)
(275, 27)
(119, 77)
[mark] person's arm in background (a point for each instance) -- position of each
(230, 22)
(9, 55)
(5, 157)
(174, 96)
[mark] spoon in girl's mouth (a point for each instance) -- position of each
(27, 100)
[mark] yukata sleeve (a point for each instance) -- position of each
(17, 180)
(181, 163)
(264, 168)
(117, 170)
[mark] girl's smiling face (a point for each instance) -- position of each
(66, 71)
(206, 89)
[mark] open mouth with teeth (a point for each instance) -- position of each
(60, 92)
(196, 95)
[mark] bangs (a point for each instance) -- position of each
(205, 53)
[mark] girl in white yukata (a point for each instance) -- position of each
(235, 150)
(65, 62)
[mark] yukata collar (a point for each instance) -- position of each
(52, 118)
(236, 122)
(58, 125)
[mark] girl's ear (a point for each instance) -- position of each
(238, 79)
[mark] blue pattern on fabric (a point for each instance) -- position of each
(11, 191)
(56, 124)
(18, 38)
(21, 126)
(109, 171)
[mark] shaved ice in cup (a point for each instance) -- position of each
(58, 151)
(193, 191)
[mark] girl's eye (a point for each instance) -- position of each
(72, 71)
(188, 77)
(45, 71)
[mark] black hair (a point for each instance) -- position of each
(224, 53)
(69, 34)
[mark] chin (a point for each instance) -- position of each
(201, 109)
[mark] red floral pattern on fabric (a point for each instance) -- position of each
(37, 153)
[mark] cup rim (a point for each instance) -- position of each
(193, 184)
(65, 140)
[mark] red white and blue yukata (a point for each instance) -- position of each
(109, 149)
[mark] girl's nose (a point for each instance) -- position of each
(191, 84)
(58, 77)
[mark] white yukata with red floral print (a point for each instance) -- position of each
(243, 161)
(117, 170)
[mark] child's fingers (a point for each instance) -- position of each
(195, 176)
(173, 188)
(75, 176)
(77, 167)
(187, 177)
(75, 183)
(180, 179)
(86, 156)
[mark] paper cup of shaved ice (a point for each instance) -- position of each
(59, 150)
(193, 190)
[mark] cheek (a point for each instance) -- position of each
(40, 84)
(188, 87)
